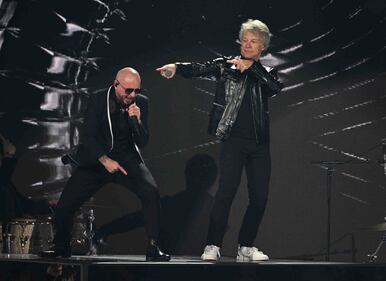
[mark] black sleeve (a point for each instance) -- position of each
(7, 169)
(91, 130)
(269, 79)
(141, 137)
(209, 70)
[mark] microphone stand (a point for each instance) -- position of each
(373, 257)
(329, 167)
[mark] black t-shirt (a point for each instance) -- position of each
(244, 124)
(123, 134)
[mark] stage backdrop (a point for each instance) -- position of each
(330, 55)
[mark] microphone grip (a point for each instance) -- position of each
(167, 72)
(135, 124)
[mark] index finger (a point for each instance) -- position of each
(122, 170)
(232, 61)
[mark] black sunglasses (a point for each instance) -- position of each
(128, 91)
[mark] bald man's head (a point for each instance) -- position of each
(127, 85)
(127, 73)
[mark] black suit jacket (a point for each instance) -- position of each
(97, 135)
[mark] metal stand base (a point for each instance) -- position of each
(373, 257)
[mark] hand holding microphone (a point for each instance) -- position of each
(134, 111)
(168, 71)
(134, 116)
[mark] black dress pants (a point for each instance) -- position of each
(86, 181)
(236, 154)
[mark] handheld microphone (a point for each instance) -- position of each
(135, 125)
(167, 72)
(134, 121)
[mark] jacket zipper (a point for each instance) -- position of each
(254, 106)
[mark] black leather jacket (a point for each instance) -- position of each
(231, 85)
(97, 134)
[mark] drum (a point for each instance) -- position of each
(29, 236)
(19, 232)
(42, 235)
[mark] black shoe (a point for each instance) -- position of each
(155, 254)
(62, 251)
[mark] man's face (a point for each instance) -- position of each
(125, 89)
(251, 45)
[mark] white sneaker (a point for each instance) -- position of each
(211, 253)
(250, 254)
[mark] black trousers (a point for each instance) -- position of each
(235, 155)
(86, 181)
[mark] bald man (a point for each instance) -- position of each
(115, 125)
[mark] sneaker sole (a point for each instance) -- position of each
(248, 259)
(209, 259)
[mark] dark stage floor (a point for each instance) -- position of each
(134, 267)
